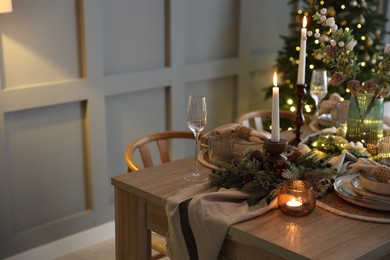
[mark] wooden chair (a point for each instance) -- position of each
(255, 119)
(142, 144)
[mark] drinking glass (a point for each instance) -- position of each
(196, 121)
(318, 87)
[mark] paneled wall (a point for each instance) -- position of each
(82, 78)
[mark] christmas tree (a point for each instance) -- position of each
(362, 17)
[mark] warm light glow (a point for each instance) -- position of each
(311, 66)
(304, 23)
(5, 6)
(294, 203)
(363, 38)
(359, 26)
(342, 6)
(275, 79)
(290, 101)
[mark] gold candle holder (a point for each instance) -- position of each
(297, 198)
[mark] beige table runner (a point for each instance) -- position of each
(199, 223)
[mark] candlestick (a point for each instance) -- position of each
(275, 131)
(300, 92)
(302, 54)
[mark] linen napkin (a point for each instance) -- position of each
(239, 131)
(380, 172)
(198, 226)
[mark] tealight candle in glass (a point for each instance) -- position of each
(297, 198)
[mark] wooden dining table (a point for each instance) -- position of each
(139, 209)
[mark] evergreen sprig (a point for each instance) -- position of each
(261, 178)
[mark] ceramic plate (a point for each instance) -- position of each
(345, 190)
(356, 183)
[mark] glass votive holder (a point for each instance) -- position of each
(384, 150)
(221, 148)
(297, 198)
(342, 114)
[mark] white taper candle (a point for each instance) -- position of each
(275, 131)
(302, 54)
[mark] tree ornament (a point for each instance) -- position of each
(369, 41)
(361, 19)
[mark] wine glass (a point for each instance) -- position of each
(318, 87)
(196, 121)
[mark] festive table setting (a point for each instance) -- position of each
(342, 166)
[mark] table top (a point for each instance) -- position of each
(320, 235)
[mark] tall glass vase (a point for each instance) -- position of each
(365, 120)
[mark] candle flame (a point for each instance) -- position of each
(275, 79)
(304, 23)
(294, 203)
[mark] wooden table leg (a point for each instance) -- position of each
(132, 238)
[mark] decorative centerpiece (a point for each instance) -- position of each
(261, 178)
(365, 117)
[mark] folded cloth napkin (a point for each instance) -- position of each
(380, 172)
(340, 163)
(198, 226)
(239, 131)
(329, 106)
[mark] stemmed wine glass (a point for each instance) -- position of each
(196, 121)
(318, 87)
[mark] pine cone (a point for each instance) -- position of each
(293, 157)
(354, 86)
(333, 51)
(336, 79)
(370, 87)
(256, 155)
(280, 166)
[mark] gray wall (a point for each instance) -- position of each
(82, 78)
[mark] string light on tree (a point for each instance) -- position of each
(348, 12)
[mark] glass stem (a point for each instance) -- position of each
(317, 108)
(196, 170)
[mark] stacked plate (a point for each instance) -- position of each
(363, 191)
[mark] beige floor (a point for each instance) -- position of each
(101, 251)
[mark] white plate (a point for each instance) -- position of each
(374, 185)
(356, 183)
(344, 190)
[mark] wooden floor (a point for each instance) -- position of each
(101, 251)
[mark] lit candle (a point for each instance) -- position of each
(293, 203)
(302, 54)
(275, 132)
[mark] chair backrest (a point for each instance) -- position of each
(162, 142)
(255, 119)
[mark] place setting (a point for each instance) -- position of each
(335, 160)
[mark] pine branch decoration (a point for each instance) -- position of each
(261, 178)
